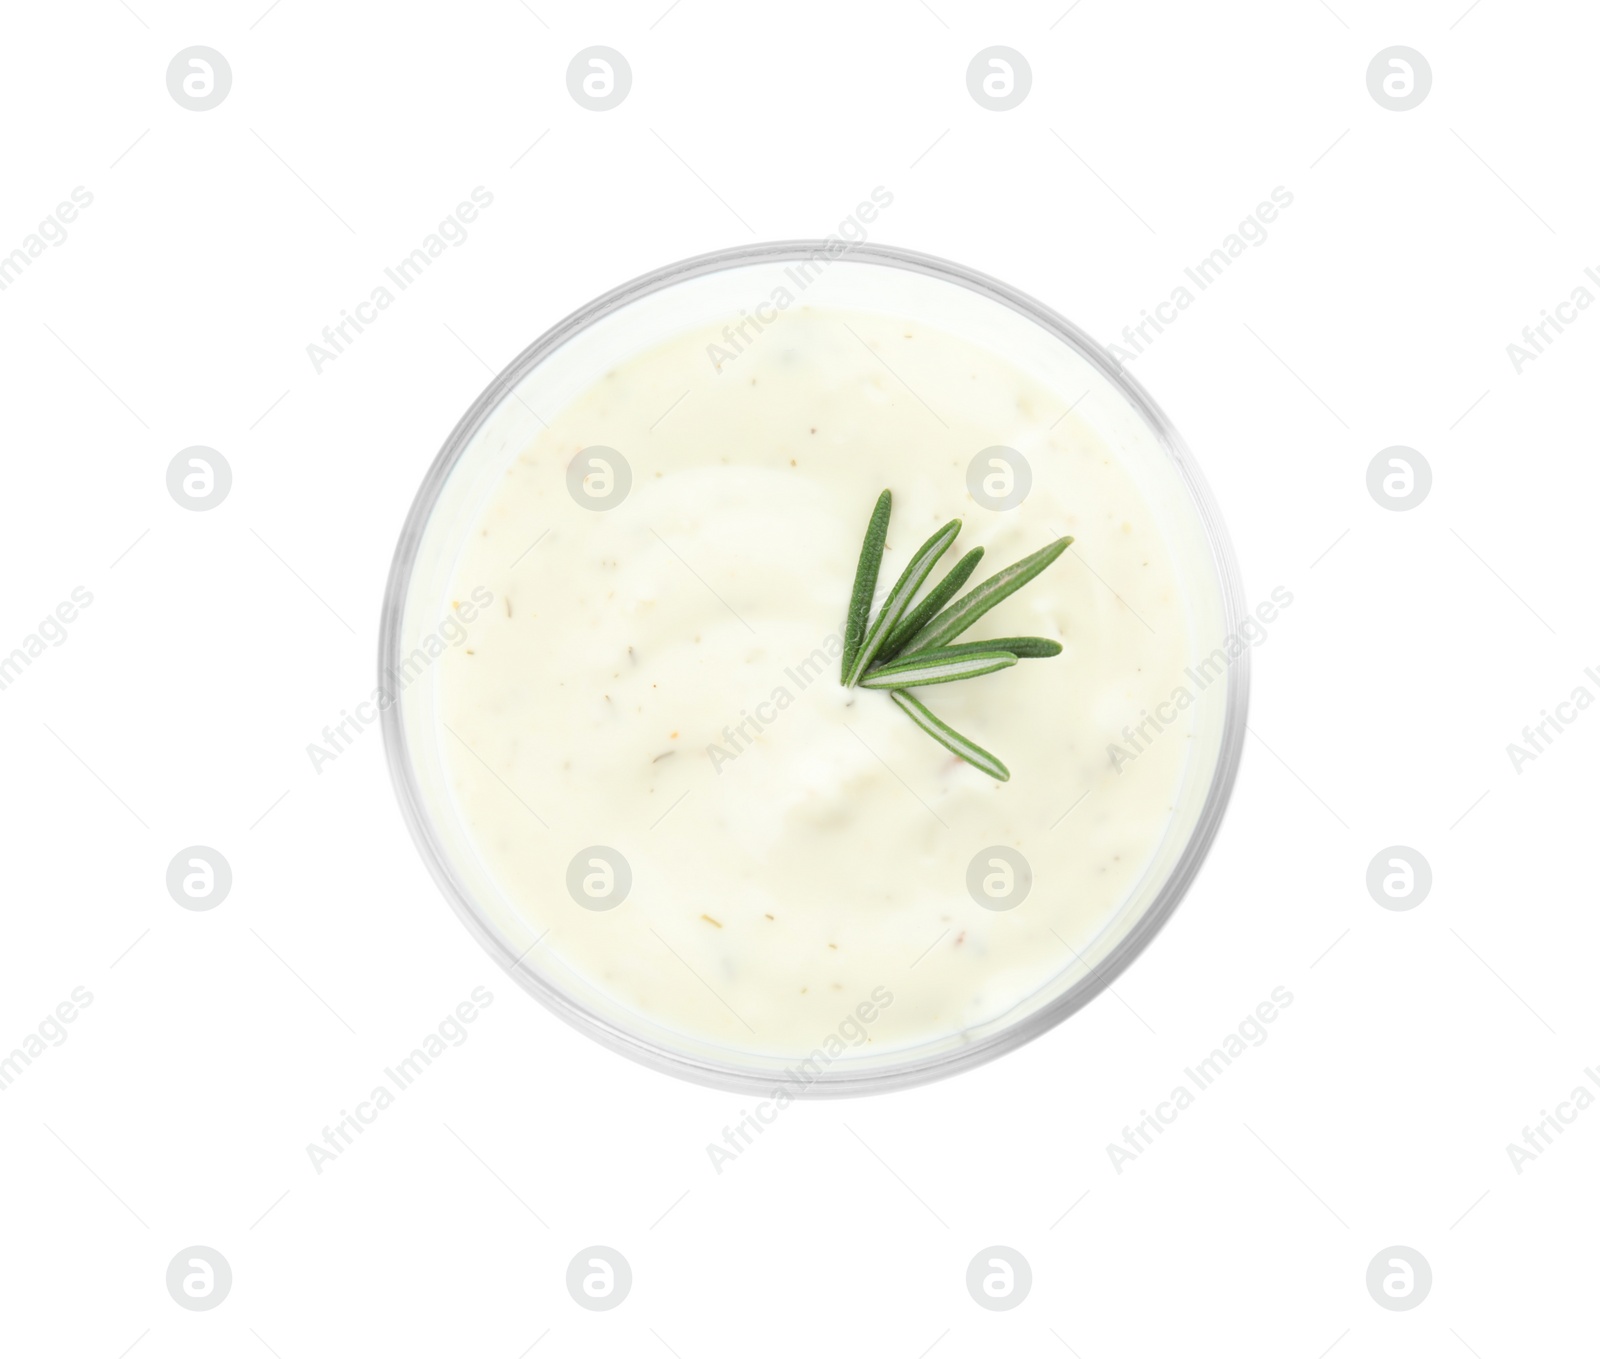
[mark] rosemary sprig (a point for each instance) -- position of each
(905, 590)
(1023, 648)
(947, 736)
(934, 668)
(975, 603)
(919, 617)
(910, 646)
(855, 627)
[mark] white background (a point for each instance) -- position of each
(219, 644)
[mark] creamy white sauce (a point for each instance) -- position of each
(783, 876)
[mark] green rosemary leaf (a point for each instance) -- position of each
(1022, 648)
(941, 594)
(899, 600)
(947, 736)
(855, 627)
(975, 603)
(937, 669)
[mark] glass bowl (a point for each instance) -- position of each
(734, 287)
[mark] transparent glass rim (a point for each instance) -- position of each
(917, 1070)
